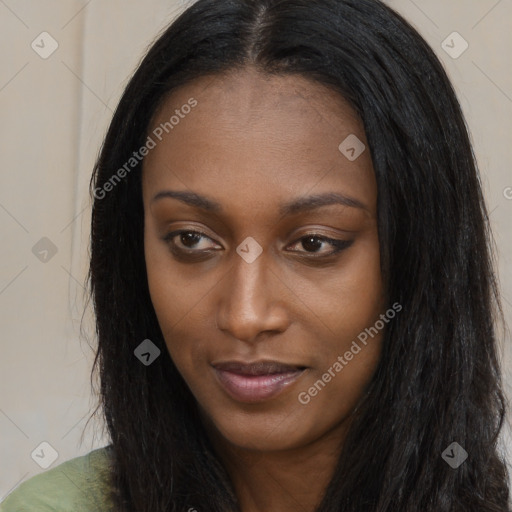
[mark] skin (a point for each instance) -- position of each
(252, 143)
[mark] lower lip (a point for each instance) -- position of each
(256, 388)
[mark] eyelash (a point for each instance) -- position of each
(339, 245)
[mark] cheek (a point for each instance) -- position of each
(329, 397)
(171, 292)
(169, 298)
(350, 305)
(352, 298)
(168, 294)
(176, 297)
(361, 289)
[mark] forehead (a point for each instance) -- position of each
(274, 136)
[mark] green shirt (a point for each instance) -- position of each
(78, 485)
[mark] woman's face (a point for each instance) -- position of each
(262, 272)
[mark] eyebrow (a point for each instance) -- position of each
(294, 207)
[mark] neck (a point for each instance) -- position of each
(281, 481)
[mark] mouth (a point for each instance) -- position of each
(257, 381)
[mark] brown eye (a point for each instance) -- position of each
(313, 244)
(189, 239)
(186, 241)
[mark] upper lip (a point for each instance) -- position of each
(257, 367)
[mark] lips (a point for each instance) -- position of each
(257, 381)
(257, 368)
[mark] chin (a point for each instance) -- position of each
(263, 431)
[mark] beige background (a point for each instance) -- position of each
(54, 113)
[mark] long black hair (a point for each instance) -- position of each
(438, 380)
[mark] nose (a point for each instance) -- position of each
(251, 300)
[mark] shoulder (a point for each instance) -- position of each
(81, 484)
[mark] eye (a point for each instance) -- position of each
(313, 242)
(186, 241)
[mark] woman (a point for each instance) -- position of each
(292, 276)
